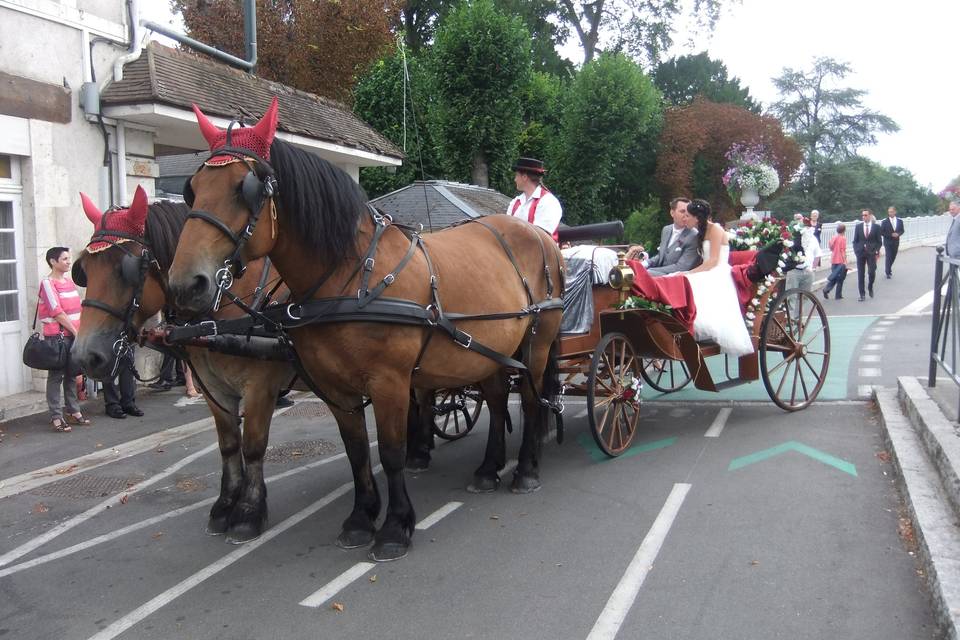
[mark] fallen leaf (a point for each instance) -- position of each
(69, 469)
(40, 508)
(494, 517)
(99, 445)
(337, 606)
(124, 498)
(373, 578)
(754, 563)
(883, 456)
(157, 535)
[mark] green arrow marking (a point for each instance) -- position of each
(586, 441)
(799, 447)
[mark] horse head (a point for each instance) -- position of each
(233, 216)
(123, 284)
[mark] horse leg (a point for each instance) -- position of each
(231, 476)
(495, 393)
(541, 363)
(359, 527)
(390, 395)
(249, 516)
(420, 430)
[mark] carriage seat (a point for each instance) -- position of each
(586, 266)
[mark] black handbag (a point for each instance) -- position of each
(49, 355)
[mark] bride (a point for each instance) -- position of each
(718, 311)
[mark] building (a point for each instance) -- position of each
(85, 107)
(436, 204)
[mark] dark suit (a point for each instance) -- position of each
(866, 250)
(680, 256)
(890, 244)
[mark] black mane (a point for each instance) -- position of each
(322, 203)
(165, 222)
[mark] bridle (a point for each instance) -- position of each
(133, 272)
(256, 191)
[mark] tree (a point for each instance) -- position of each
(317, 47)
(479, 66)
(379, 101)
(418, 20)
(685, 78)
(830, 124)
(542, 103)
(694, 144)
(642, 28)
(611, 117)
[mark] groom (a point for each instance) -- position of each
(678, 244)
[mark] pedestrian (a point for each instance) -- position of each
(817, 231)
(838, 263)
(866, 246)
(535, 204)
(119, 393)
(171, 374)
(58, 308)
(953, 234)
(891, 229)
(801, 277)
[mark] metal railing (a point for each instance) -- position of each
(944, 334)
(916, 231)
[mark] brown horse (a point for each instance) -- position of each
(331, 248)
(109, 268)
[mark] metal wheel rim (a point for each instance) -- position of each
(456, 423)
(613, 363)
(795, 349)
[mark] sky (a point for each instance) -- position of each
(905, 55)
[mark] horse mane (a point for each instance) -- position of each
(165, 220)
(321, 201)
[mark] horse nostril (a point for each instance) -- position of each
(201, 285)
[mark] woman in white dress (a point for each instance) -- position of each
(719, 317)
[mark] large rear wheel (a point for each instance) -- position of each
(613, 394)
(794, 349)
(455, 411)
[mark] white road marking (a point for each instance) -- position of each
(213, 569)
(871, 347)
(876, 337)
(39, 477)
(891, 317)
(623, 597)
(112, 501)
(864, 390)
(869, 372)
(582, 414)
(437, 516)
(879, 329)
(920, 303)
(332, 588)
(149, 522)
(867, 357)
(718, 423)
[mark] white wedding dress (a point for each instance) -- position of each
(718, 310)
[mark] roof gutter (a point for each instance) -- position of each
(136, 40)
(250, 37)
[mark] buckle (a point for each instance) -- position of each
(212, 324)
(458, 337)
(433, 314)
(290, 312)
(388, 279)
(368, 264)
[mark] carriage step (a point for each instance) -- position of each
(726, 384)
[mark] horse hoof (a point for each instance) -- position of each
(484, 484)
(216, 526)
(354, 539)
(524, 484)
(388, 551)
(417, 464)
(243, 532)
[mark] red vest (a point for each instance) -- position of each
(533, 210)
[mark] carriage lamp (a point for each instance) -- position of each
(621, 276)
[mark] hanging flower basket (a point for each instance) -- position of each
(750, 173)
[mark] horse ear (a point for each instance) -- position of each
(138, 208)
(208, 129)
(267, 127)
(93, 213)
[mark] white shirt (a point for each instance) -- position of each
(811, 248)
(547, 214)
(674, 234)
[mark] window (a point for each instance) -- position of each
(8, 263)
(6, 167)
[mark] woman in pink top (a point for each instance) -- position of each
(838, 263)
(59, 312)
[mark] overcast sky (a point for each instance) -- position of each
(906, 55)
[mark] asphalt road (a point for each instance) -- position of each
(774, 525)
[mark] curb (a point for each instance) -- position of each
(934, 521)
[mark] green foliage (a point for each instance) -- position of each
(479, 66)
(602, 158)
(684, 78)
(547, 33)
(378, 100)
(847, 186)
(644, 225)
(542, 106)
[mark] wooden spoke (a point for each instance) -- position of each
(613, 365)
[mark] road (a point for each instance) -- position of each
(727, 519)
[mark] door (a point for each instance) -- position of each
(14, 377)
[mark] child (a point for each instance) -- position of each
(838, 263)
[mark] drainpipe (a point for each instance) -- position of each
(121, 164)
(136, 40)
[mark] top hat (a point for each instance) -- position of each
(530, 165)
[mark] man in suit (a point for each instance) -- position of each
(866, 245)
(953, 234)
(891, 229)
(678, 245)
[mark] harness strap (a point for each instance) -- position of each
(390, 277)
(216, 222)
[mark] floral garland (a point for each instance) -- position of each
(636, 302)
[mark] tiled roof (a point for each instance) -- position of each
(180, 78)
(447, 203)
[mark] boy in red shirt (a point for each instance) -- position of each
(838, 263)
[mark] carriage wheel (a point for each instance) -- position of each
(613, 395)
(664, 375)
(455, 411)
(794, 349)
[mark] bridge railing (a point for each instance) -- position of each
(944, 331)
(916, 231)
